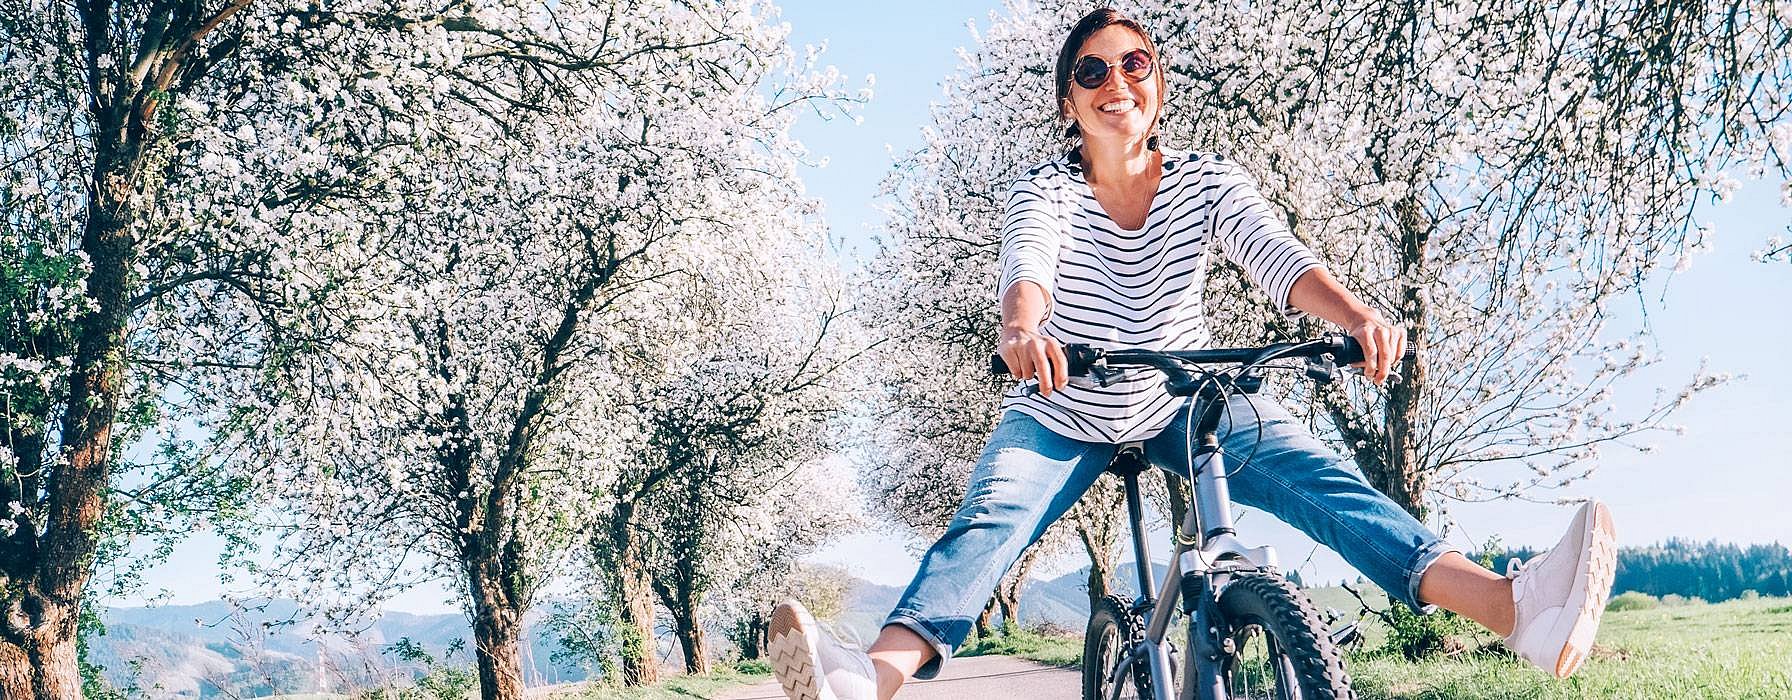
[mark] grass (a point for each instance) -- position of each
(1050, 649)
(672, 688)
(1735, 649)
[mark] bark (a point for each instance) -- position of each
(1176, 489)
(1099, 547)
(749, 634)
(1007, 606)
(632, 586)
(1008, 591)
(692, 640)
(48, 564)
(680, 597)
(497, 631)
(1401, 474)
(984, 630)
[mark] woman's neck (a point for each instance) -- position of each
(1106, 161)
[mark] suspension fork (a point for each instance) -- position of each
(1209, 521)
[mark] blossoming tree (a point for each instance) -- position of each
(384, 250)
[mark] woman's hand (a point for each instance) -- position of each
(1383, 345)
(1030, 355)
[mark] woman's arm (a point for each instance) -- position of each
(1028, 261)
(1026, 351)
(1318, 293)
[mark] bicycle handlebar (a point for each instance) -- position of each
(1344, 350)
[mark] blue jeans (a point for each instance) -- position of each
(1028, 476)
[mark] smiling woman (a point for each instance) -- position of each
(1107, 39)
(1108, 245)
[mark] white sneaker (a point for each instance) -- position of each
(811, 664)
(1559, 595)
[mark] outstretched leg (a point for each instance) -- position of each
(1547, 611)
(1026, 479)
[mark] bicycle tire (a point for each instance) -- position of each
(1112, 633)
(1300, 650)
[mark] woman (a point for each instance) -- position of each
(1107, 245)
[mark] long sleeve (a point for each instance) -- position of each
(1030, 238)
(1249, 233)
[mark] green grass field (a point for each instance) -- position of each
(1736, 649)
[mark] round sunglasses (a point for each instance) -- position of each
(1091, 71)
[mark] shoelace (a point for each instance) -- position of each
(1514, 567)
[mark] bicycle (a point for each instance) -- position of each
(1251, 633)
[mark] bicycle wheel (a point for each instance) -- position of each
(1113, 632)
(1279, 647)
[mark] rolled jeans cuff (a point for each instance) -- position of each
(919, 626)
(1415, 572)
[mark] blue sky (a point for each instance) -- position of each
(1727, 479)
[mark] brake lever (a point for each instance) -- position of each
(1103, 374)
(1393, 377)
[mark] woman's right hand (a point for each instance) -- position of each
(1031, 355)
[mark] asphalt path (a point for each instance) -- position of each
(983, 677)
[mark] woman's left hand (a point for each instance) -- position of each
(1383, 345)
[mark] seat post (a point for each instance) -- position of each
(1141, 552)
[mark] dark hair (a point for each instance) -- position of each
(1087, 26)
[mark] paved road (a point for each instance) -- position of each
(992, 677)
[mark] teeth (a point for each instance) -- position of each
(1120, 106)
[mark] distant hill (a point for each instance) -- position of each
(212, 650)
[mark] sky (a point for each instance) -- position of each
(1726, 479)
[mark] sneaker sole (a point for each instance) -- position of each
(793, 656)
(1591, 588)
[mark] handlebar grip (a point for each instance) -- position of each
(1350, 352)
(1080, 356)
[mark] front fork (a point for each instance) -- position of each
(1206, 680)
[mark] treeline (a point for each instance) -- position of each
(1708, 570)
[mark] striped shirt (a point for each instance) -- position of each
(1113, 288)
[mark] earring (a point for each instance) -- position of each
(1151, 143)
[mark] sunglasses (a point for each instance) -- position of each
(1091, 72)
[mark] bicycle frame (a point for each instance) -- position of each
(1207, 550)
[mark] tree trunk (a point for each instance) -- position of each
(1097, 520)
(1008, 607)
(497, 632)
(1008, 591)
(984, 631)
(691, 639)
(48, 561)
(749, 635)
(632, 588)
(1176, 488)
(41, 664)
(1099, 550)
(679, 589)
(1403, 477)
(634, 614)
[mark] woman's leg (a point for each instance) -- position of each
(1026, 479)
(1277, 465)
(1468, 589)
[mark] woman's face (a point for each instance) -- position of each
(1119, 108)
